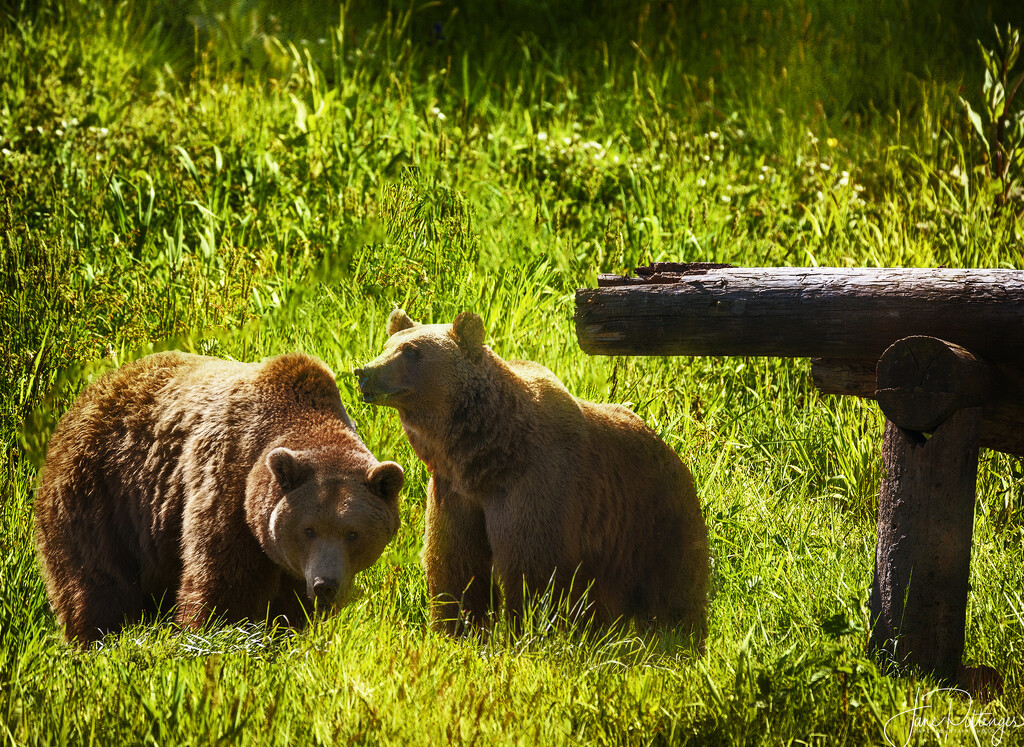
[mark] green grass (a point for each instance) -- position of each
(240, 179)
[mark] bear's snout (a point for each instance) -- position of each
(373, 385)
(367, 383)
(325, 590)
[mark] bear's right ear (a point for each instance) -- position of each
(398, 321)
(287, 468)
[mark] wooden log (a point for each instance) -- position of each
(921, 381)
(1002, 417)
(838, 376)
(853, 314)
(659, 273)
(923, 553)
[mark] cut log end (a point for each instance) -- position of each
(922, 381)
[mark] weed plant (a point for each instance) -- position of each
(247, 177)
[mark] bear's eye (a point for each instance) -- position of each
(352, 536)
(310, 532)
(410, 352)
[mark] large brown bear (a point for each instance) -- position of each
(538, 486)
(231, 489)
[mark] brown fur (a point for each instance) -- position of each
(191, 480)
(535, 484)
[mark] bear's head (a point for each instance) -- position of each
(334, 511)
(423, 366)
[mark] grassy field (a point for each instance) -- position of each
(243, 178)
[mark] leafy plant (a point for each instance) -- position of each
(1002, 128)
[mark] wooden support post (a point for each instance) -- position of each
(923, 554)
(926, 501)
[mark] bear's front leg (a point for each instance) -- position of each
(530, 556)
(223, 576)
(457, 560)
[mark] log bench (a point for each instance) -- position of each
(941, 350)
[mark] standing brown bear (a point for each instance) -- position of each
(232, 489)
(538, 486)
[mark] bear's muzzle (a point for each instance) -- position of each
(372, 386)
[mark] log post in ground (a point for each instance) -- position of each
(923, 554)
(926, 500)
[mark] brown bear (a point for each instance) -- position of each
(229, 489)
(537, 486)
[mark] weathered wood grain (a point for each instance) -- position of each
(853, 314)
(921, 381)
(923, 552)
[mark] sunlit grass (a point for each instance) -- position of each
(240, 180)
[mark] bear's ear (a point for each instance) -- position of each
(287, 468)
(386, 479)
(398, 321)
(468, 330)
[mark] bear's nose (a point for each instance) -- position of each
(362, 375)
(324, 589)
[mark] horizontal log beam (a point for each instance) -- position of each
(852, 314)
(1002, 414)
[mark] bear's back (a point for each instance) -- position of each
(119, 403)
(138, 430)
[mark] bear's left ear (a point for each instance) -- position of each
(399, 320)
(386, 479)
(287, 468)
(468, 330)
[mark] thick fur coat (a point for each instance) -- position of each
(535, 485)
(215, 487)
